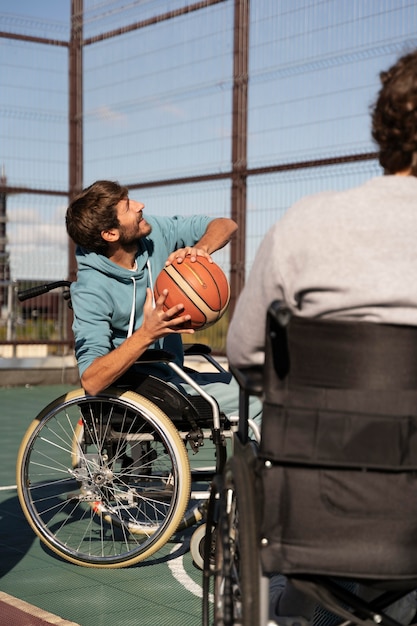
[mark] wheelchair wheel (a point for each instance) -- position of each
(236, 578)
(198, 543)
(197, 546)
(104, 481)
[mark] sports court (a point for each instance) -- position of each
(224, 107)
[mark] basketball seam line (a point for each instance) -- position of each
(183, 284)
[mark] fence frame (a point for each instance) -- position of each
(238, 173)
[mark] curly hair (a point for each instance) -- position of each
(93, 211)
(394, 116)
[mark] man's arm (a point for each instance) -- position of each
(218, 233)
(157, 323)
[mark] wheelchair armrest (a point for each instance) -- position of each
(250, 379)
(154, 355)
(201, 349)
(196, 348)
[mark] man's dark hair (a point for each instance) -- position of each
(394, 117)
(93, 211)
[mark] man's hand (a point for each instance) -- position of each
(158, 323)
(192, 251)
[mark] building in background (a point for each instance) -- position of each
(4, 254)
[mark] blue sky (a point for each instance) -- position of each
(157, 105)
(44, 9)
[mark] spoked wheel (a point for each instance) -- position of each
(104, 481)
(236, 577)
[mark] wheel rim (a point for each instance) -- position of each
(101, 482)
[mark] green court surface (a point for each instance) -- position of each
(165, 589)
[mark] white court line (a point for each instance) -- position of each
(9, 488)
(178, 571)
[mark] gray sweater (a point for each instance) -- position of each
(346, 255)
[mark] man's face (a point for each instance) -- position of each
(132, 226)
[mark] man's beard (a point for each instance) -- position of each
(130, 240)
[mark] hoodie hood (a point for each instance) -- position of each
(92, 261)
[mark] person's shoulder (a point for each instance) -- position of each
(313, 199)
(308, 205)
(165, 219)
(163, 226)
(327, 201)
(182, 225)
(156, 220)
(163, 222)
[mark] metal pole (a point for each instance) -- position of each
(10, 328)
(4, 255)
(75, 113)
(239, 146)
(75, 156)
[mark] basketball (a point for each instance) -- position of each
(201, 286)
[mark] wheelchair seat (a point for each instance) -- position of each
(185, 410)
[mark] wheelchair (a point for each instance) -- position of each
(329, 497)
(105, 481)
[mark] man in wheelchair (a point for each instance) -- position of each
(120, 252)
(344, 257)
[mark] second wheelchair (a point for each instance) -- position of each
(326, 503)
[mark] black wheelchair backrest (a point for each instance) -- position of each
(341, 354)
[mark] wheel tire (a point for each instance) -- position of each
(211, 533)
(197, 546)
(236, 578)
(104, 481)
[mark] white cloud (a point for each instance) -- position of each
(175, 111)
(107, 114)
(32, 235)
(26, 215)
(37, 242)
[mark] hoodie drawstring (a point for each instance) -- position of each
(133, 309)
(148, 265)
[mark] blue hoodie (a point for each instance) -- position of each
(107, 298)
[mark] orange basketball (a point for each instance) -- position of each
(201, 286)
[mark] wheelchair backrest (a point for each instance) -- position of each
(341, 354)
(339, 393)
(337, 465)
